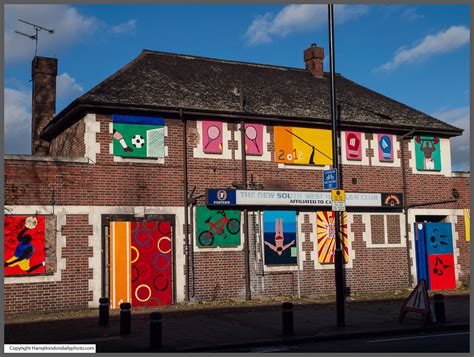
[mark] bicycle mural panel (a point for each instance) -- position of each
(24, 245)
(303, 146)
(280, 244)
(326, 233)
(217, 228)
(427, 153)
(140, 263)
(136, 136)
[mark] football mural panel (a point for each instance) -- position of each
(136, 136)
(24, 245)
(279, 232)
(217, 228)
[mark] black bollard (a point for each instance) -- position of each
(156, 335)
(104, 305)
(440, 312)
(287, 318)
(125, 318)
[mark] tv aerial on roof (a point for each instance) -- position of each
(37, 29)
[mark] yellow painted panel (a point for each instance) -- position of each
(304, 139)
(467, 223)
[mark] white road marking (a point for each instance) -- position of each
(414, 337)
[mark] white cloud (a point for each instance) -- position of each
(17, 114)
(67, 87)
(68, 24)
(298, 18)
(460, 145)
(411, 15)
(125, 27)
(442, 42)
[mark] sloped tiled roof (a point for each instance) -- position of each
(167, 80)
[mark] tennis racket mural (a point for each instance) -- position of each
(141, 263)
(136, 136)
(24, 245)
(427, 153)
(385, 145)
(303, 146)
(326, 237)
(353, 145)
(212, 137)
(217, 228)
(280, 244)
(254, 139)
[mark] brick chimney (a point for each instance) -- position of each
(43, 73)
(313, 60)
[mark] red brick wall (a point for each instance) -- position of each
(70, 143)
(220, 274)
(72, 292)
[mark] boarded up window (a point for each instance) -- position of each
(393, 229)
(377, 229)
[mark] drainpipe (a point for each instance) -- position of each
(246, 216)
(186, 203)
(405, 202)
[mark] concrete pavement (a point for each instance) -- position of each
(214, 329)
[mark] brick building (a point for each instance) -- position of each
(104, 193)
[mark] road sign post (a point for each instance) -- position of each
(330, 179)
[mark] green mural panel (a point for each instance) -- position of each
(139, 137)
(217, 228)
(428, 153)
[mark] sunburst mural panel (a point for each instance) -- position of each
(326, 237)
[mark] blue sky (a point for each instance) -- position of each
(416, 54)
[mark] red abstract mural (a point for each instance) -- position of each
(151, 263)
(24, 245)
(441, 270)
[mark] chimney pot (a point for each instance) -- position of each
(43, 72)
(313, 59)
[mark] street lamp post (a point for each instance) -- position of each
(338, 264)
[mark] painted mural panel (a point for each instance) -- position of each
(217, 228)
(441, 270)
(280, 244)
(24, 245)
(151, 264)
(385, 147)
(303, 146)
(428, 153)
(439, 238)
(212, 137)
(137, 136)
(353, 145)
(120, 263)
(254, 139)
(326, 236)
(467, 223)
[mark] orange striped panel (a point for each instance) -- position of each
(120, 263)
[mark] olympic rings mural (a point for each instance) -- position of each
(151, 263)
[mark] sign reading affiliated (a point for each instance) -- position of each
(330, 179)
(229, 197)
